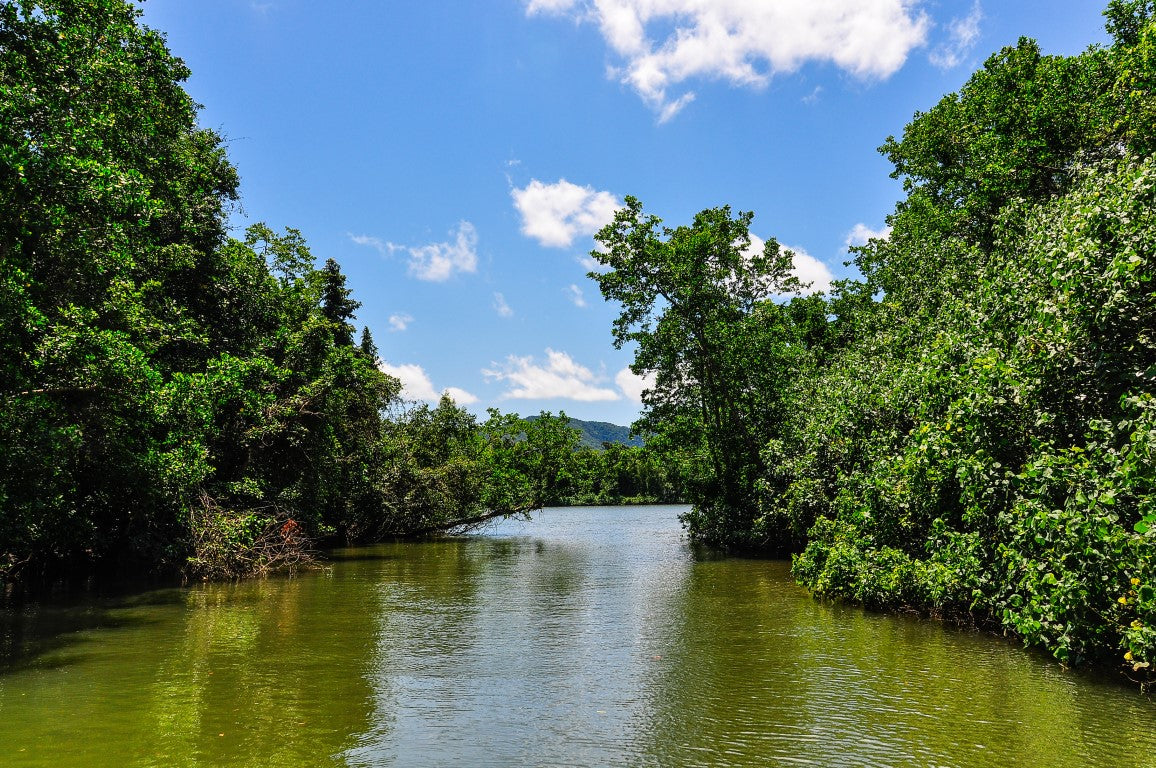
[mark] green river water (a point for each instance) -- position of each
(589, 637)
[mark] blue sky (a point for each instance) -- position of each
(455, 156)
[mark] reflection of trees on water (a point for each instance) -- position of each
(598, 645)
(759, 673)
(263, 673)
(275, 666)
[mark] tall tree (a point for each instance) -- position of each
(695, 301)
(337, 306)
(113, 211)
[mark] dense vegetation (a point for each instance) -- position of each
(177, 400)
(968, 430)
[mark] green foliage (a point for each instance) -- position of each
(1126, 19)
(171, 398)
(620, 474)
(112, 198)
(1015, 131)
(447, 471)
(980, 445)
(1004, 467)
(695, 301)
(968, 431)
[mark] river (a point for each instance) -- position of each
(588, 637)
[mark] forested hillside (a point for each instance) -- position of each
(596, 434)
(967, 430)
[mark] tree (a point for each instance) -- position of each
(367, 347)
(980, 444)
(336, 305)
(1126, 19)
(113, 212)
(696, 303)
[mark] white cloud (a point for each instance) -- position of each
(549, 6)
(399, 322)
(664, 43)
(501, 307)
(435, 262)
(589, 264)
(460, 396)
(806, 267)
(438, 262)
(558, 377)
(367, 240)
(962, 36)
(575, 294)
(555, 214)
(810, 270)
(416, 385)
(861, 233)
(668, 110)
(632, 384)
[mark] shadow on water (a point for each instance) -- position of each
(50, 632)
(46, 625)
(268, 672)
(49, 627)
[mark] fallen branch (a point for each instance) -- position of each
(472, 522)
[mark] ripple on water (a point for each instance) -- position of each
(589, 637)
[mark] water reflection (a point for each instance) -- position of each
(764, 675)
(258, 674)
(590, 637)
(608, 642)
(548, 644)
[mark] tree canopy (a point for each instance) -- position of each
(174, 399)
(967, 430)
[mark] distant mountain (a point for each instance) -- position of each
(595, 433)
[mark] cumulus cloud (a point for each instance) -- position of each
(416, 385)
(555, 214)
(811, 271)
(664, 43)
(399, 322)
(438, 262)
(806, 267)
(861, 233)
(558, 377)
(575, 294)
(962, 35)
(501, 307)
(632, 385)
